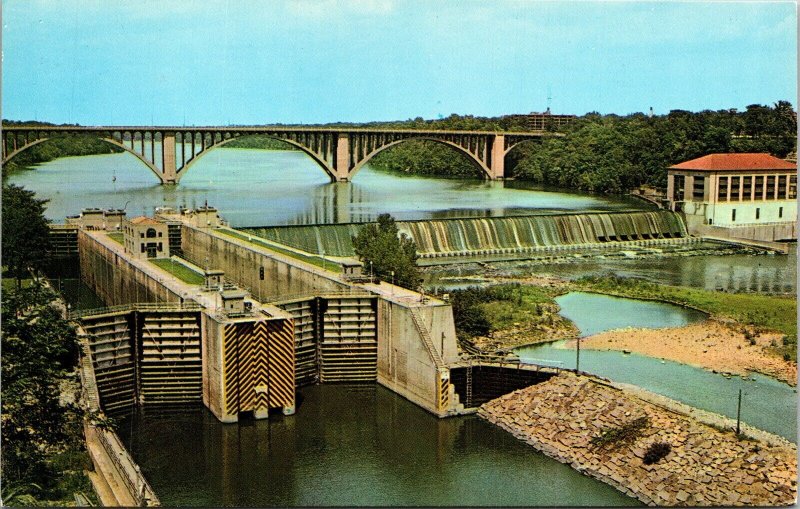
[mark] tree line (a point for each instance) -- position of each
(606, 153)
(43, 458)
(58, 146)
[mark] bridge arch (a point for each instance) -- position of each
(110, 141)
(325, 165)
(486, 171)
(510, 149)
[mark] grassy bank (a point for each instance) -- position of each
(765, 312)
(504, 316)
(179, 270)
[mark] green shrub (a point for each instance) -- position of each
(656, 452)
(625, 434)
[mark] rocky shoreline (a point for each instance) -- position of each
(705, 466)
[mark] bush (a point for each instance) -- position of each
(625, 434)
(655, 452)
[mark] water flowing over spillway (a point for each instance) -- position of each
(471, 236)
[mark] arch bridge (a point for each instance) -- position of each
(169, 152)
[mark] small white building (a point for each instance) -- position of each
(733, 190)
(144, 237)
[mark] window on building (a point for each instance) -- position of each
(758, 213)
(771, 187)
(736, 183)
(698, 188)
(680, 180)
(780, 212)
(722, 189)
(782, 187)
(151, 233)
(759, 188)
(747, 188)
(733, 216)
(142, 246)
(792, 187)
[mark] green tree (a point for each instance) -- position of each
(38, 346)
(25, 231)
(387, 250)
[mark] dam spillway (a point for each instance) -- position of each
(492, 235)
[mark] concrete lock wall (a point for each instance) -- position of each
(213, 374)
(404, 363)
(242, 262)
(115, 280)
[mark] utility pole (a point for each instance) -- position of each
(738, 411)
(578, 357)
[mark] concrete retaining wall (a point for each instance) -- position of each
(404, 363)
(115, 280)
(242, 262)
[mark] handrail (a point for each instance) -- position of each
(128, 470)
(426, 339)
(136, 306)
(283, 299)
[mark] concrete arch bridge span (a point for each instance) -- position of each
(169, 152)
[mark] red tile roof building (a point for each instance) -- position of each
(734, 189)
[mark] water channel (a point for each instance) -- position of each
(350, 446)
(257, 188)
(768, 404)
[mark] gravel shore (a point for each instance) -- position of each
(710, 344)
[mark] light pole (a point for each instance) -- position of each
(392, 282)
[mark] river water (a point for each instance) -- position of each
(258, 188)
(350, 446)
(767, 403)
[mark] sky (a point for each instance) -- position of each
(219, 62)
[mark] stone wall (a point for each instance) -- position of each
(706, 466)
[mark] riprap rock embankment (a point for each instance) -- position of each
(705, 466)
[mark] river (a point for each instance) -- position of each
(350, 446)
(767, 404)
(257, 188)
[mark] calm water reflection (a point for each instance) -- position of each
(256, 187)
(346, 445)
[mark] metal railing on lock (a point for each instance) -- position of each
(129, 471)
(426, 339)
(137, 306)
(281, 299)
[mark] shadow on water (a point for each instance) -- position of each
(350, 445)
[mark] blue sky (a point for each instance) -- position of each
(311, 61)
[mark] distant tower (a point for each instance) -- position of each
(549, 98)
(651, 112)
